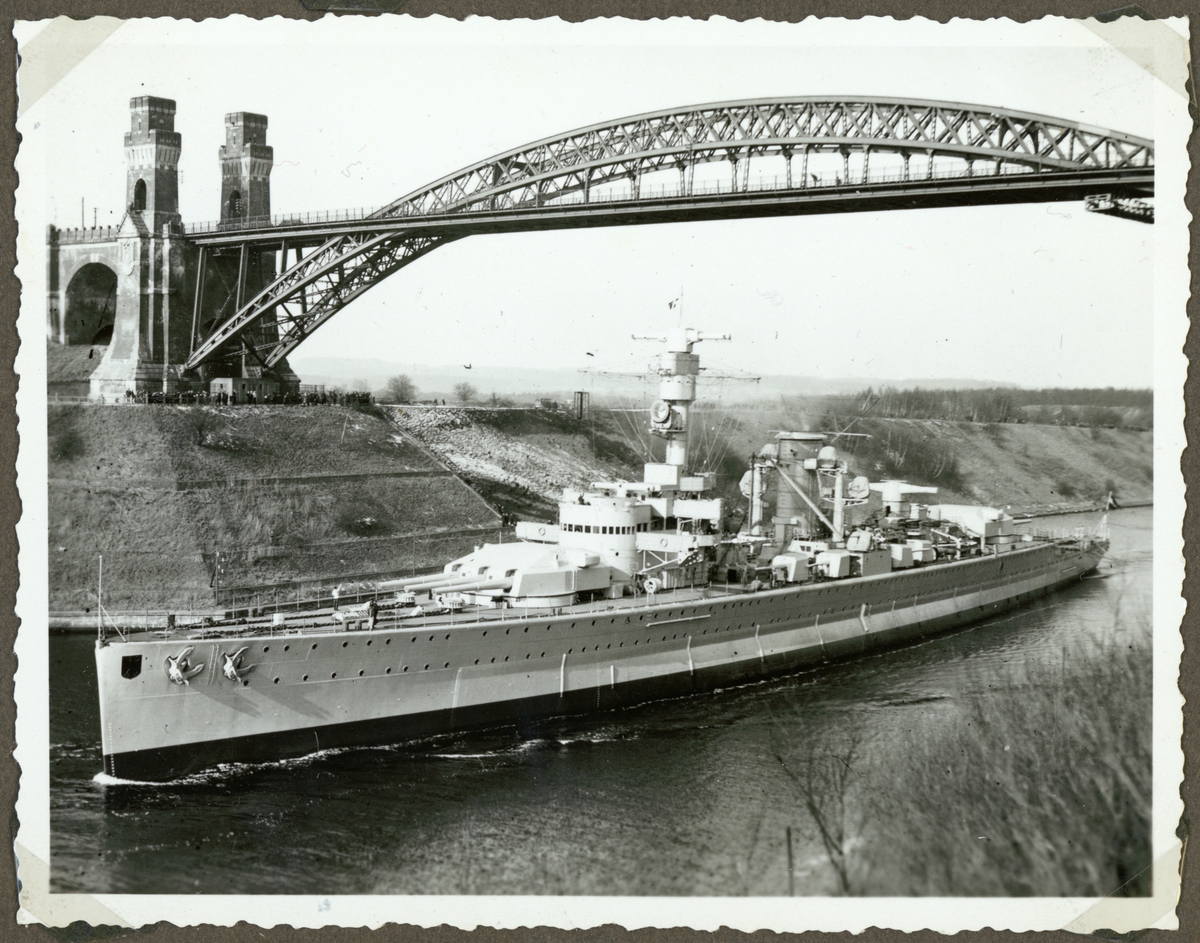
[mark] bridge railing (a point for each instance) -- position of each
(75, 237)
(280, 221)
(606, 193)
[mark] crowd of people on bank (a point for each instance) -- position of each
(250, 398)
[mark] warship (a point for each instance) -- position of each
(636, 593)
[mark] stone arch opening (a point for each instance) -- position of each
(91, 305)
(139, 195)
(235, 203)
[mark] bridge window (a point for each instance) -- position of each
(139, 195)
(235, 203)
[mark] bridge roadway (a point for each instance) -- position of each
(292, 231)
(941, 154)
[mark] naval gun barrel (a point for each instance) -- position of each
(420, 582)
(475, 587)
(458, 583)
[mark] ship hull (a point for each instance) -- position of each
(307, 693)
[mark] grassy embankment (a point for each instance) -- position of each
(1035, 784)
(136, 484)
(521, 459)
(161, 490)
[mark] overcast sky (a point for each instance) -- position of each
(363, 111)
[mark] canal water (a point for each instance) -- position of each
(688, 796)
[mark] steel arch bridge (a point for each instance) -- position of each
(871, 154)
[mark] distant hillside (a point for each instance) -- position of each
(439, 380)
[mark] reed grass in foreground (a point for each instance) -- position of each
(1035, 782)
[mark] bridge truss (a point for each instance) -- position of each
(836, 155)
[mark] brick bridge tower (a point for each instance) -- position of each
(132, 286)
(246, 162)
(150, 328)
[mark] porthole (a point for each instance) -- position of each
(334, 675)
(635, 641)
(446, 665)
(369, 642)
(543, 655)
(287, 648)
(493, 661)
(266, 648)
(314, 645)
(527, 657)
(361, 672)
(431, 638)
(387, 641)
(447, 636)
(426, 667)
(570, 651)
(526, 629)
(506, 658)
(620, 645)
(344, 644)
(477, 661)
(609, 645)
(276, 681)
(305, 678)
(388, 670)
(413, 639)
(485, 631)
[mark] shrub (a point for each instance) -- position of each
(66, 445)
(1035, 780)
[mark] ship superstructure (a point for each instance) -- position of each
(634, 593)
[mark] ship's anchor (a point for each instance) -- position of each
(230, 664)
(178, 669)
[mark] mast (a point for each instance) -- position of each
(678, 367)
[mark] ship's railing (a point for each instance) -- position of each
(219, 623)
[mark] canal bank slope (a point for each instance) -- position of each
(192, 505)
(207, 507)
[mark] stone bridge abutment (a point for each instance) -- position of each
(132, 287)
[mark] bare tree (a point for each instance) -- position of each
(401, 389)
(825, 780)
(464, 392)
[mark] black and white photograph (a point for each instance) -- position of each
(673, 473)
